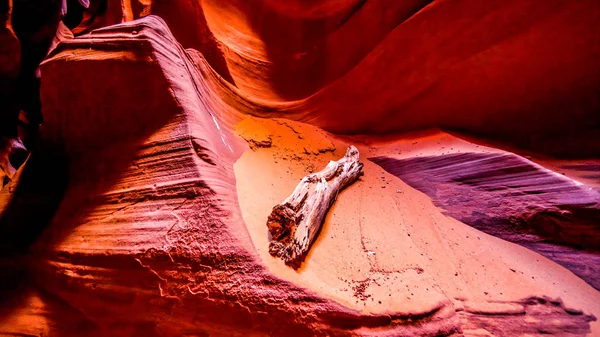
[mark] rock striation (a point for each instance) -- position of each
(148, 238)
(512, 198)
(155, 176)
(402, 66)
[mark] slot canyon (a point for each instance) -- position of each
(299, 168)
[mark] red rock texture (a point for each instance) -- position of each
(171, 179)
(512, 198)
(149, 238)
(519, 71)
(145, 199)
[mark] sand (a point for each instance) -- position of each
(384, 246)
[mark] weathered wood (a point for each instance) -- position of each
(294, 224)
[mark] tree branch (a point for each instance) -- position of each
(294, 224)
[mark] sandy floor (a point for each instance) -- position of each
(384, 246)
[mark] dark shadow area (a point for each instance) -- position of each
(35, 199)
(74, 14)
(35, 23)
(13, 279)
(25, 309)
(92, 175)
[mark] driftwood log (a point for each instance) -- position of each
(294, 224)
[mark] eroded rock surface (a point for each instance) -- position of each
(520, 71)
(149, 238)
(161, 228)
(515, 199)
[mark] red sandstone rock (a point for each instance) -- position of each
(150, 238)
(158, 204)
(519, 71)
(514, 199)
(185, 18)
(161, 229)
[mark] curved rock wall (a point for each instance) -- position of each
(161, 228)
(523, 72)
